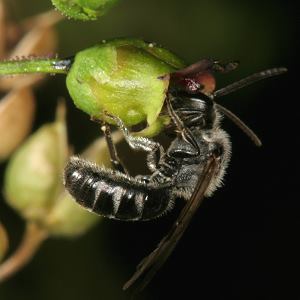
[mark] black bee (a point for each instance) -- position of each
(191, 168)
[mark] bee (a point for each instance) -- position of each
(192, 167)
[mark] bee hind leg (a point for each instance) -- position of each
(114, 158)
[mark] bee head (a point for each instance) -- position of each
(192, 92)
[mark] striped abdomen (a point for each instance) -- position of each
(113, 194)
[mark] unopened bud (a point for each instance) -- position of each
(124, 77)
(127, 78)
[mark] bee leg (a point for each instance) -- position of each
(186, 134)
(114, 158)
(143, 178)
(155, 150)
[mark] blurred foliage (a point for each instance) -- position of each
(260, 34)
(19, 39)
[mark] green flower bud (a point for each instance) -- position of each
(33, 175)
(67, 218)
(122, 77)
(83, 9)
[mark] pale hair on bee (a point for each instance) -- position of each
(192, 167)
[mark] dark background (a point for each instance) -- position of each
(242, 243)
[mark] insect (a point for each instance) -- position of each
(191, 168)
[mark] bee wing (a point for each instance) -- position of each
(153, 262)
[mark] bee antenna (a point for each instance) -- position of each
(237, 121)
(248, 80)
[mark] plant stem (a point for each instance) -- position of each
(32, 239)
(3, 240)
(34, 65)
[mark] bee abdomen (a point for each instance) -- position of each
(113, 194)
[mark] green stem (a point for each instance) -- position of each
(38, 65)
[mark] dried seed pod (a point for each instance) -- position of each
(33, 175)
(16, 117)
(33, 180)
(83, 9)
(18, 107)
(67, 218)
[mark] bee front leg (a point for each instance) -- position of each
(185, 133)
(155, 150)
